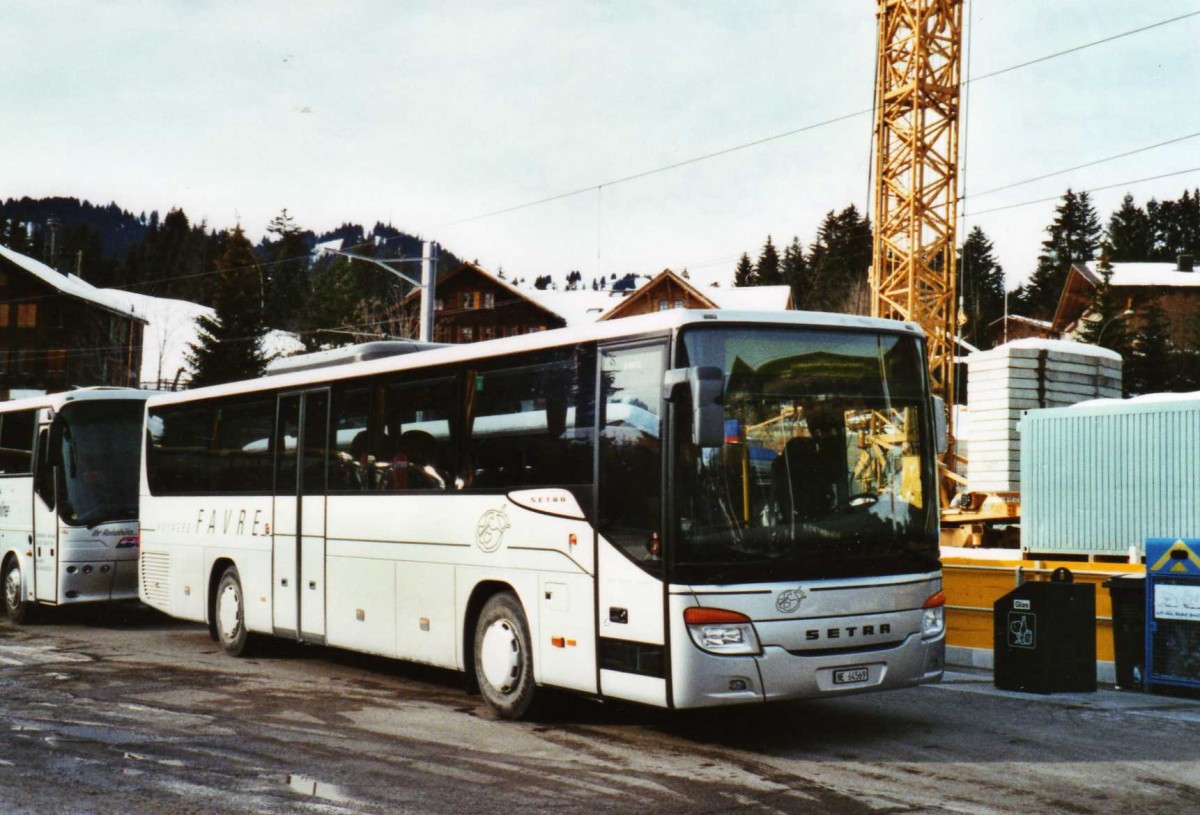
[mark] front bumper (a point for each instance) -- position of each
(97, 581)
(707, 680)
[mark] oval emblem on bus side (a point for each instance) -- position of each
(489, 532)
(789, 600)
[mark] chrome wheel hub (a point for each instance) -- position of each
(12, 588)
(229, 605)
(500, 656)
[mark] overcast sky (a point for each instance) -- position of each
(425, 114)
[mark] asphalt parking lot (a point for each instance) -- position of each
(141, 714)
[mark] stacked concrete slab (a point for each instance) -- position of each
(1032, 373)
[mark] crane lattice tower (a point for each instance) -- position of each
(916, 173)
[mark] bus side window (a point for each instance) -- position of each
(630, 504)
(354, 459)
(16, 442)
(414, 451)
(43, 481)
(526, 429)
(240, 459)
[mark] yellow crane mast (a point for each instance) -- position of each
(916, 173)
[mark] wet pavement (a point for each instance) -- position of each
(137, 713)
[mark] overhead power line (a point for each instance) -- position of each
(696, 159)
(1086, 45)
(1089, 190)
(1082, 166)
(806, 128)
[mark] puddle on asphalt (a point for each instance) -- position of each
(317, 789)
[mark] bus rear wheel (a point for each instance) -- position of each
(230, 614)
(504, 657)
(16, 607)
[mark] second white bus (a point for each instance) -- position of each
(685, 509)
(69, 467)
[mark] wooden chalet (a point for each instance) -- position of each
(668, 290)
(57, 331)
(1174, 286)
(471, 305)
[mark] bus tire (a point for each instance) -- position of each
(18, 610)
(504, 656)
(229, 613)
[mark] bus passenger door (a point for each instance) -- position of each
(631, 632)
(298, 525)
(43, 533)
(285, 521)
(314, 444)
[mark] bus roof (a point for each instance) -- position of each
(363, 352)
(658, 323)
(57, 401)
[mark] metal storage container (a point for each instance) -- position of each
(1099, 478)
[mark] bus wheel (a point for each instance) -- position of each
(230, 614)
(18, 609)
(504, 657)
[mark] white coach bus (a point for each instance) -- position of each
(683, 509)
(69, 467)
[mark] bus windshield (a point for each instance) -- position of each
(98, 459)
(826, 469)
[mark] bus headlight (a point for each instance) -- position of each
(719, 631)
(933, 618)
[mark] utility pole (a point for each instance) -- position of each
(428, 280)
(427, 283)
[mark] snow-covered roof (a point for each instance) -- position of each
(586, 305)
(1020, 318)
(171, 331)
(1040, 344)
(1144, 274)
(576, 307)
(71, 285)
(1144, 399)
(748, 298)
(170, 328)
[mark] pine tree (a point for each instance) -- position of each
(767, 271)
(1176, 226)
(982, 287)
(287, 274)
(743, 273)
(330, 311)
(17, 238)
(1152, 365)
(1074, 236)
(839, 261)
(1130, 233)
(229, 343)
(794, 271)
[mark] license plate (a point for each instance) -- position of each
(848, 676)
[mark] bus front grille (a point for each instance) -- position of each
(156, 579)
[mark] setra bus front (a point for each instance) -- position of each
(803, 558)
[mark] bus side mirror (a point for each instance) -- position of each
(705, 385)
(939, 425)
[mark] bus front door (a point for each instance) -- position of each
(298, 526)
(45, 528)
(631, 626)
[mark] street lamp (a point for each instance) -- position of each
(1112, 320)
(428, 261)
